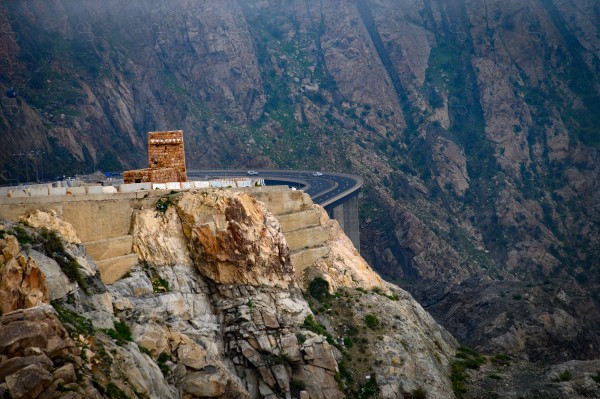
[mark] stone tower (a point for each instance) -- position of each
(165, 150)
(166, 160)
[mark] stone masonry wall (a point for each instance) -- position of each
(148, 175)
(166, 150)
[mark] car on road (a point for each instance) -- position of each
(317, 174)
(252, 172)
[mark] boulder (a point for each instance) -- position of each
(66, 373)
(39, 327)
(58, 283)
(10, 366)
(50, 221)
(28, 382)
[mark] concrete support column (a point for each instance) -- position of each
(346, 215)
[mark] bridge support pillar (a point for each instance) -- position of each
(346, 214)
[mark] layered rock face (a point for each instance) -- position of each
(215, 310)
(234, 284)
(22, 283)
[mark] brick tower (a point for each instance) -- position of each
(166, 160)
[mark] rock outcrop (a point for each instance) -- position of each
(403, 338)
(50, 221)
(22, 283)
(343, 266)
(232, 304)
(235, 239)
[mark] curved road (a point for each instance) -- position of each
(324, 190)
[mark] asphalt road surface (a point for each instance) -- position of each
(324, 189)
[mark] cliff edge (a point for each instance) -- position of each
(215, 309)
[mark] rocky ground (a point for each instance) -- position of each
(540, 322)
(503, 379)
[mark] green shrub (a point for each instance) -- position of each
(419, 393)
(161, 361)
(53, 247)
(280, 358)
(565, 376)
(22, 235)
(145, 350)
(301, 338)
(73, 323)
(163, 203)
(159, 285)
(319, 289)
(467, 358)
(369, 389)
(372, 321)
(311, 324)
(114, 392)
(458, 377)
(121, 333)
(502, 359)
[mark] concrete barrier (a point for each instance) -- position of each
(299, 220)
(307, 257)
(306, 238)
(18, 193)
(201, 184)
(110, 247)
(76, 191)
(91, 190)
(132, 187)
(109, 190)
(173, 186)
(57, 191)
(159, 186)
(104, 222)
(38, 191)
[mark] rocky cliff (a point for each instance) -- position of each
(214, 309)
(474, 123)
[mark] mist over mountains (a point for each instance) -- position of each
(474, 123)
